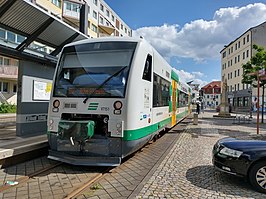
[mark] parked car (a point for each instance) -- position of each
(245, 158)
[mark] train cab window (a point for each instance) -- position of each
(147, 68)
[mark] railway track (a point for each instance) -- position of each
(24, 179)
(91, 176)
(58, 168)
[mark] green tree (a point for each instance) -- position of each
(252, 67)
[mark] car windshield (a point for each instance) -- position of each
(94, 70)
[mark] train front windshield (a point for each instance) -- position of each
(94, 70)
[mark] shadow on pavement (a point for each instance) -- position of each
(207, 177)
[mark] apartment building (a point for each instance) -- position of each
(101, 21)
(233, 56)
(211, 94)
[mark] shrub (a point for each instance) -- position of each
(8, 108)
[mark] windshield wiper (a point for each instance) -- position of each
(102, 84)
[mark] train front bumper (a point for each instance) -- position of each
(84, 160)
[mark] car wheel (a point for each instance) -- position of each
(257, 176)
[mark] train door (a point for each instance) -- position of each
(147, 86)
(174, 98)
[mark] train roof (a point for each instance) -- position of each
(106, 39)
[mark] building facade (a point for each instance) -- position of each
(101, 21)
(211, 94)
(233, 56)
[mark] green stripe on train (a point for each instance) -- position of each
(140, 133)
(93, 106)
(181, 115)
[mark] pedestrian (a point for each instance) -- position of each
(202, 107)
(198, 108)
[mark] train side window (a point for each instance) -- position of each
(147, 69)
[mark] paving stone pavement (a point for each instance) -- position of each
(187, 171)
(178, 165)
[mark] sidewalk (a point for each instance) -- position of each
(187, 171)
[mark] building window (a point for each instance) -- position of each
(231, 62)
(238, 44)
(238, 87)
(243, 55)
(94, 28)
(235, 60)
(236, 47)
(224, 54)
(244, 40)
(224, 65)
(101, 20)
(238, 58)
(247, 53)
(113, 18)
(232, 49)
(228, 76)
(14, 88)
(229, 51)
(122, 27)
(6, 61)
(247, 38)
(94, 14)
(238, 72)
(228, 63)
(235, 73)
(95, 2)
(108, 13)
(56, 2)
(4, 86)
(101, 7)
(231, 75)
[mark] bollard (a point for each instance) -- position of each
(195, 119)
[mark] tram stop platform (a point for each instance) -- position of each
(13, 148)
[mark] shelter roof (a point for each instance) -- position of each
(27, 19)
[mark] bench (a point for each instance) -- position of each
(243, 118)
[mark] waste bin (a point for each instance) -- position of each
(195, 119)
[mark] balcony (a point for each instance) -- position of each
(9, 72)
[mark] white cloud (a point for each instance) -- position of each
(201, 39)
(186, 77)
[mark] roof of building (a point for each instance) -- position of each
(225, 46)
(213, 84)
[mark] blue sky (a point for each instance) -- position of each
(190, 34)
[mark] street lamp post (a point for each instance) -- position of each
(250, 102)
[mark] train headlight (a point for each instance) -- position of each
(56, 104)
(118, 105)
(51, 121)
(105, 120)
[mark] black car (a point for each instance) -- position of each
(245, 158)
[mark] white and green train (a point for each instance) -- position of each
(110, 97)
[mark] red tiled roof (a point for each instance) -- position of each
(212, 85)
